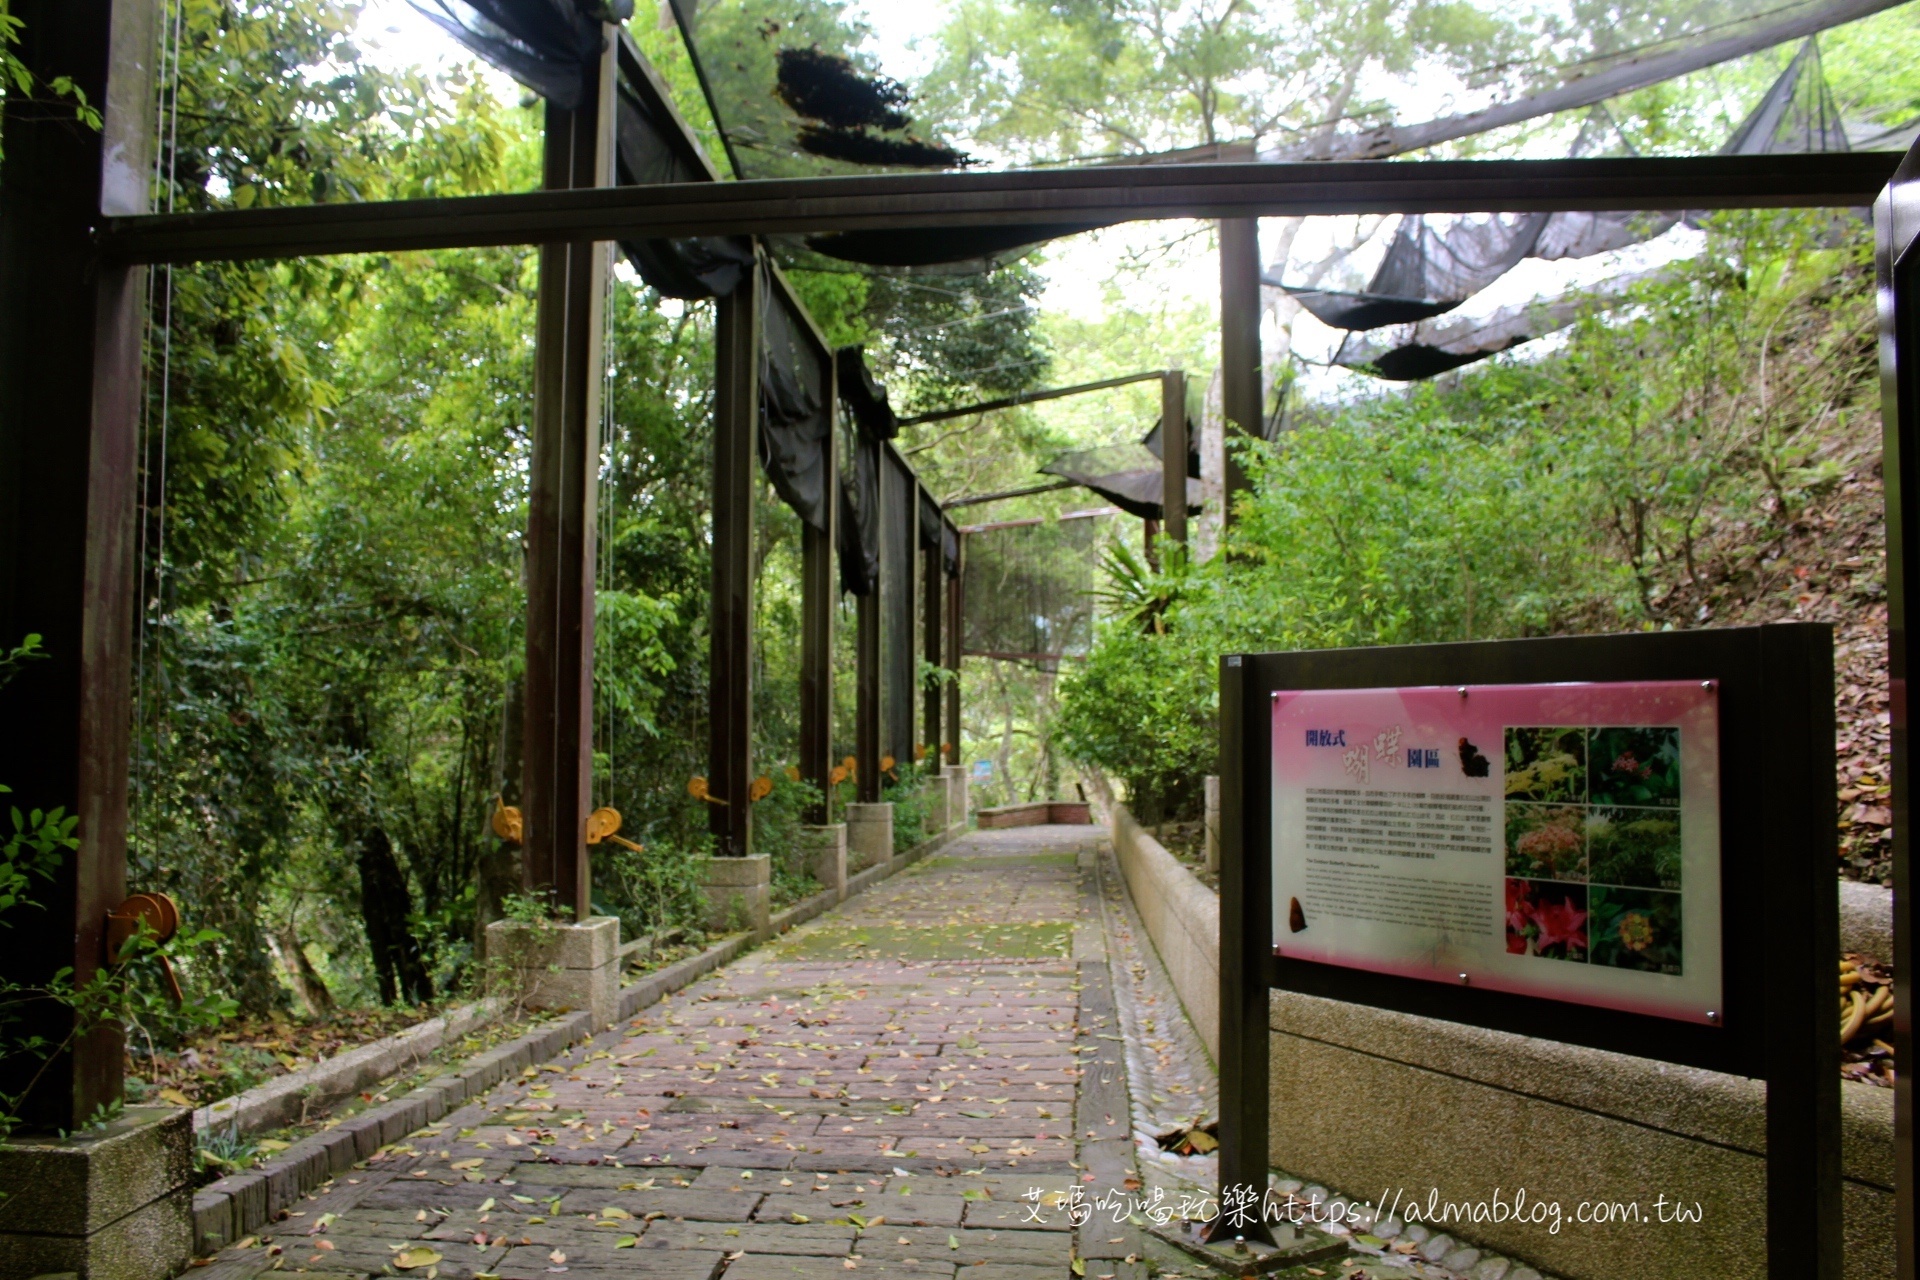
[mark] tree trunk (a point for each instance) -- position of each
(312, 988)
(385, 905)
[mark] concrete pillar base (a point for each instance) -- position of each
(826, 856)
(109, 1204)
(739, 893)
(939, 804)
(869, 835)
(561, 966)
(957, 800)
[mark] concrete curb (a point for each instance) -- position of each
(236, 1205)
(1182, 917)
(280, 1099)
(226, 1210)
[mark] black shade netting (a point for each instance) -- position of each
(1409, 353)
(1126, 475)
(930, 522)
(796, 421)
(936, 534)
(1797, 114)
(544, 44)
(865, 395)
(1432, 266)
(790, 107)
(1027, 589)
(1152, 444)
(899, 657)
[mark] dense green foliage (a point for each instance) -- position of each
(1632, 479)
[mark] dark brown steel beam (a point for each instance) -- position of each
(819, 598)
(1052, 197)
(557, 775)
(866, 704)
(1027, 397)
(1004, 494)
(1173, 454)
(1241, 401)
(736, 404)
(956, 625)
(70, 400)
(933, 590)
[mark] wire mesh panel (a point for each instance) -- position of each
(1029, 588)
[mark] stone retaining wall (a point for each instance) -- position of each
(1364, 1099)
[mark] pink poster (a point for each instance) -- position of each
(1558, 840)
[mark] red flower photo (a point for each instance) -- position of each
(1547, 918)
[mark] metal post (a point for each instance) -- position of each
(736, 404)
(819, 596)
(1173, 454)
(932, 588)
(1897, 225)
(70, 397)
(1240, 393)
(1246, 942)
(563, 475)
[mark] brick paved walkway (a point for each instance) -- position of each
(883, 1090)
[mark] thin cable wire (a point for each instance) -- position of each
(165, 167)
(609, 479)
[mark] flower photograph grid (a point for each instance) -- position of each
(1593, 845)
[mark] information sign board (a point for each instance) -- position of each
(1557, 840)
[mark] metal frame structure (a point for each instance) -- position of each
(76, 235)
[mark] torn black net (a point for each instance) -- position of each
(1409, 353)
(864, 394)
(1796, 114)
(546, 45)
(795, 418)
(1152, 445)
(1127, 475)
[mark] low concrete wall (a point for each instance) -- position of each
(1364, 1099)
(1182, 917)
(1038, 814)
